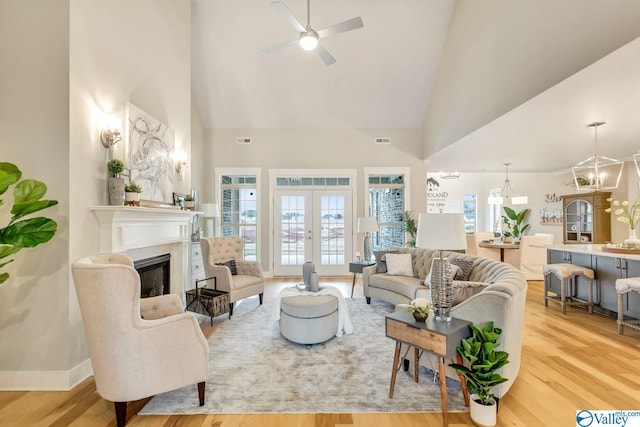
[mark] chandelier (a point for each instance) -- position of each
(597, 172)
(507, 191)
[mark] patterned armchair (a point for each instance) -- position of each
(220, 255)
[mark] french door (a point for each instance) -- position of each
(312, 225)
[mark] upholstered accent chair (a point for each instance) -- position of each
(529, 258)
(138, 347)
(473, 248)
(247, 281)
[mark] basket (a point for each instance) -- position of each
(209, 302)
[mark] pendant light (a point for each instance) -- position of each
(597, 172)
(507, 191)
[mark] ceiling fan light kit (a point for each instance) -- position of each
(309, 38)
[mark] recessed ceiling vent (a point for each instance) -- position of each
(383, 140)
(243, 140)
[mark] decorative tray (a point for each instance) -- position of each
(615, 250)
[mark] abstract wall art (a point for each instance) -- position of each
(150, 145)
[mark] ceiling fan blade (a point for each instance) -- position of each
(324, 55)
(351, 24)
(288, 15)
(274, 48)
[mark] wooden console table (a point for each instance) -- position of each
(439, 338)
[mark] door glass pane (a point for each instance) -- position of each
(292, 226)
(332, 230)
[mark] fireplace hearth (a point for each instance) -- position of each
(155, 275)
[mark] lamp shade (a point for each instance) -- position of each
(443, 231)
(367, 224)
(211, 210)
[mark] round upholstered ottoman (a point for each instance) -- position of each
(309, 319)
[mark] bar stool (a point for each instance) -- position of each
(567, 274)
(624, 286)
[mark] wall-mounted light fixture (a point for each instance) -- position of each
(180, 159)
(110, 133)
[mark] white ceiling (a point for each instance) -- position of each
(550, 132)
(386, 73)
(382, 77)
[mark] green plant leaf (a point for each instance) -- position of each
(29, 190)
(9, 175)
(29, 232)
(511, 214)
(8, 250)
(5, 263)
(3, 277)
(22, 209)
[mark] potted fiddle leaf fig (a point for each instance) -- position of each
(115, 183)
(480, 370)
(132, 194)
(21, 232)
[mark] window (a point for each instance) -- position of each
(469, 210)
(495, 210)
(239, 214)
(386, 204)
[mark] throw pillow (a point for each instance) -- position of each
(399, 264)
(232, 266)
(466, 267)
(454, 271)
(381, 260)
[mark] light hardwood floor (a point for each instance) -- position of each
(569, 362)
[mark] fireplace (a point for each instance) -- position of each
(155, 275)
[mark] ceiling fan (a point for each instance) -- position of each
(308, 39)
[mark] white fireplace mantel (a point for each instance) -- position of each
(123, 228)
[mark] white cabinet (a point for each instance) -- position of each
(197, 264)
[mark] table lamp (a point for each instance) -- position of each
(442, 232)
(367, 225)
(210, 211)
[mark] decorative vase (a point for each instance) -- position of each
(116, 191)
(420, 316)
(307, 268)
(633, 240)
(314, 286)
(483, 415)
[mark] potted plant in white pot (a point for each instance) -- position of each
(115, 183)
(514, 224)
(478, 351)
(189, 202)
(132, 194)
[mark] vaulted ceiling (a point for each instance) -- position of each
(488, 81)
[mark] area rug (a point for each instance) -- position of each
(253, 369)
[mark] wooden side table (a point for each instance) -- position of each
(439, 338)
(356, 268)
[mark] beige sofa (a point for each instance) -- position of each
(495, 291)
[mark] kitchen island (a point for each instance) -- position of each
(608, 267)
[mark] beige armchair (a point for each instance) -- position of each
(138, 348)
(528, 258)
(473, 248)
(247, 282)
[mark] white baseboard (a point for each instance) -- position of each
(45, 380)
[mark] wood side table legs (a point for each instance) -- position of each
(443, 391)
(463, 382)
(394, 372)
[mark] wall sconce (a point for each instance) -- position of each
(110, 133)
(180, 158)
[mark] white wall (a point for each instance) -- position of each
(313, 149)
(34, 135)
(63, 67)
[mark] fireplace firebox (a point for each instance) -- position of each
(155, 275)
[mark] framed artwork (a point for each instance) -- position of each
(150, 145)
